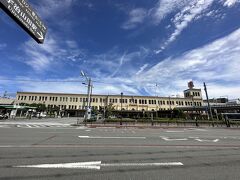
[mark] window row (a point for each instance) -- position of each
(110, 100)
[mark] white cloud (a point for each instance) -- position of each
(117, 63)
(48, 8)
(41, 57)
(142, 69)
(165, 7)
(136, 16)
(216, 63)
(230, 3)
(3, 46)
(183, 18)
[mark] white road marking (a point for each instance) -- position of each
(175, 131)
(169, 139)
(81, 127)
(4, 126)
(195, 129)
(88, 130)
(207, 140)
(95, 165)
(105, 127)
(76, 165)
(99, 137)
(192, 137)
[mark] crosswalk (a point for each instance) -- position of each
(35, 126)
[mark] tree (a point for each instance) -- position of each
(109, 110)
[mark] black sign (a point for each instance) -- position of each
(24, 15)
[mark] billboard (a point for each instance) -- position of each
(22, 13)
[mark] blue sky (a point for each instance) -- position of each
(137, 47)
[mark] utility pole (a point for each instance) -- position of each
(89, 91)
(170, 103)
(121, 108)
(88, 112)
(209, 107)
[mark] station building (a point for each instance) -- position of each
(75, 102)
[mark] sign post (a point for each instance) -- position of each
(24, 15)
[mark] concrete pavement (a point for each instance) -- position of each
(119, 153)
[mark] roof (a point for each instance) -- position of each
(114, 95)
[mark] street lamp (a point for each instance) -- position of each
(89, 91)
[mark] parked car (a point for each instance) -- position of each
(39, 115)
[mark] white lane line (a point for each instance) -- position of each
(207, 140)
(88, 130)
(192, 137)
(169, 139)
(96, 165)
(105, 127)
(81, 127)
(4, 126)
(143, 164)
(195, 129)
(175, 131)
(99, 137)
(76, 165)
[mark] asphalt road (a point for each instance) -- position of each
(66, 152)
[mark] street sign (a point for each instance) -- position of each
(23, 14)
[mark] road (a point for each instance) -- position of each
(28, 151)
